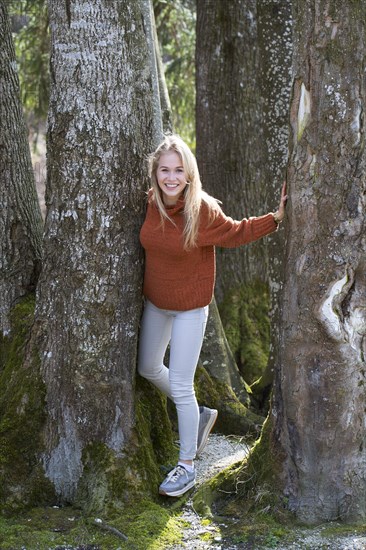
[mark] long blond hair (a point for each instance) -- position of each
(193, 191)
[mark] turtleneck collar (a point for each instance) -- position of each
(174, 208)
(170, 209)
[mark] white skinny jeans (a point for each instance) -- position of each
(185, 331)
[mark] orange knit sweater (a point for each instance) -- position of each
(177, 279)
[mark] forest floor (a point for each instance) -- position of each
(173, 524)
(203, 534)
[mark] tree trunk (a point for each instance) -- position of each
(319, 399)
(230, 145)
(21, 225)
(91, 282)
(275, 50)
(102, 123)
(231, 152)
(312, 450)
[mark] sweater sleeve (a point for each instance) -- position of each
(228, 233)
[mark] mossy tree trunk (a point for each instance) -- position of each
(312, 451)
(232, 156)
(89, 299)
(319, 397)
(316, 424)
(21, 225)
(104, 118)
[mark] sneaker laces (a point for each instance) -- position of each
(176, 473)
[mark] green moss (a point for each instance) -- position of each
(250, 487)
(244, 315)
(151, 526)
(22, 413)
(234, 417)
(109, 481)
(206, 536)
(247, 498)
(146, 524)
(107, 478)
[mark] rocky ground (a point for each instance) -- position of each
(220, 452)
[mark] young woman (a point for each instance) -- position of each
(182, 227)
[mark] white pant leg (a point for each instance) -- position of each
(185, 346)
(156, 328)
(185, 329)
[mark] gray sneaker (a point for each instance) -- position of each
(177, 482)
(207, 421)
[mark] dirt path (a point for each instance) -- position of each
(221, 452)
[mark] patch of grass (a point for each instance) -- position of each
(338, 529)
(146, 524)
(256, 530)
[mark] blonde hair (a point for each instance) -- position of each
(193, 191)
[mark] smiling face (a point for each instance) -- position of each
(171, 177)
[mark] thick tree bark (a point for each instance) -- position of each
(21, 225)
(232, 154)
(312, 449)
(231, 150)
(319, 398)
(275, 51)
(89, 296)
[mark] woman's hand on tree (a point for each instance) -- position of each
(280, 214)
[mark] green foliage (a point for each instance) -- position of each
(175, 24)
(31, 38)
(244, 315)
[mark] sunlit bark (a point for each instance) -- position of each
(319, 396)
